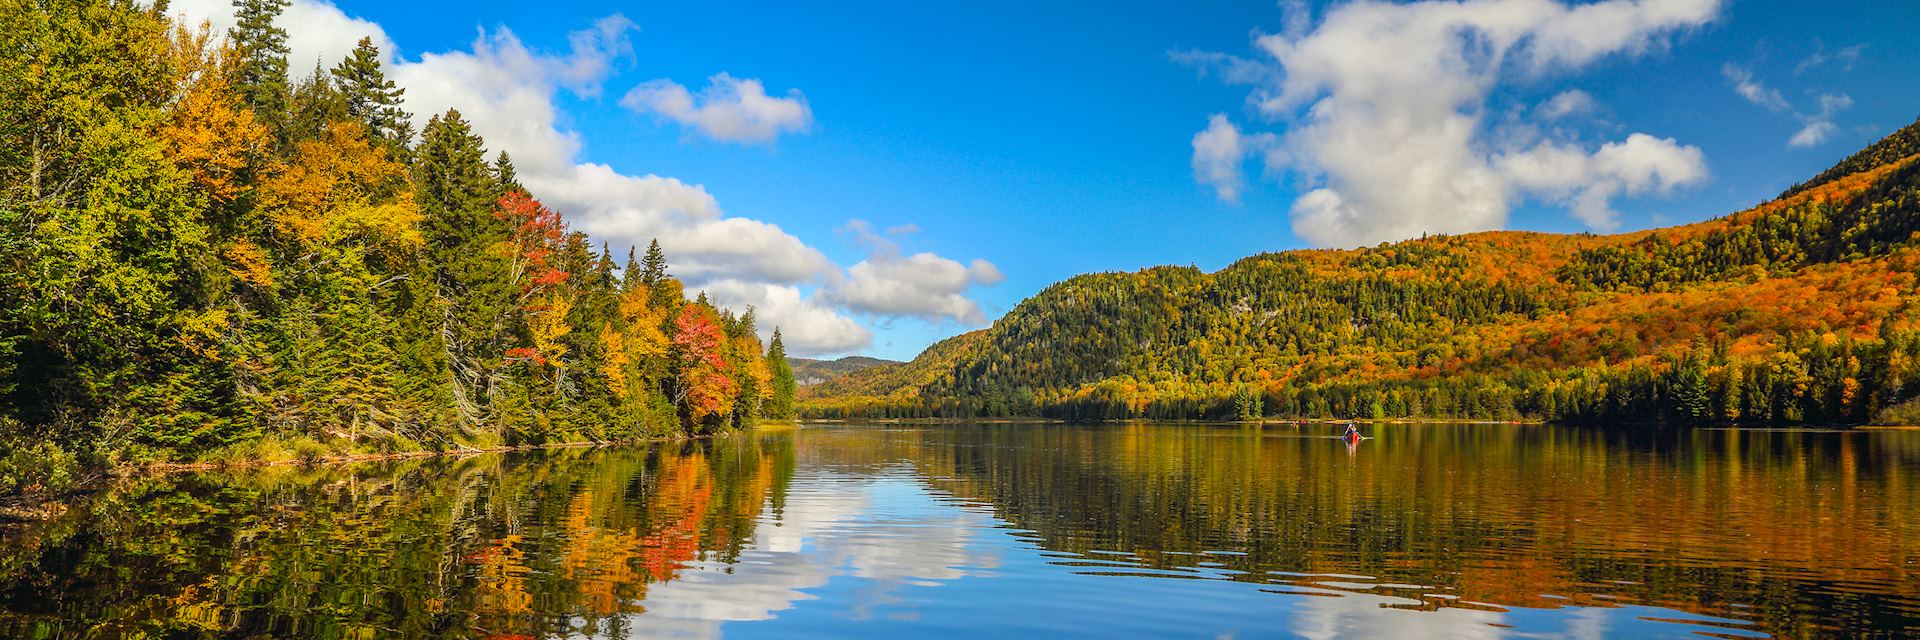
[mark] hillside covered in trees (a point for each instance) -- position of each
(1801, 310)
(808, 371)
(202, 259)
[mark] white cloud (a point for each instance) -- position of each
(921, 285)
(317, 31)
(507, 91)
(1846, 58)
(594, 51)
(1568, 103)
(807, 326)
(1219, 152)
(1812, 134)
(1386, 103)
(1586, 183)
(1819, 127)
(1753, 90)
(729, 109)
(1815, 127)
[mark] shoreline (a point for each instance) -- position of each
(31, 507)
(1280, 422)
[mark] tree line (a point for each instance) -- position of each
(201, 258)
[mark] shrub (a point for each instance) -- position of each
(32, 465)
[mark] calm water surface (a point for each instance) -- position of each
(1012, 530)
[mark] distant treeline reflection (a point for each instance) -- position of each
(1807, 533)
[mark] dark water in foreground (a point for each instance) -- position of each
(1012, 530)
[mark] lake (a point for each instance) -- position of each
(932, 531)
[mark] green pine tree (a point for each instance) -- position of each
(630, 274)
(455, 190)
(262, 51)
(654, 270)
(781, 405)
(373, 99)
(316, 102)
(505, 175)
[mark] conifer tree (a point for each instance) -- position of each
(654, 270)
(630, 274)
(316, 103)
(262, 50)
(455, 190)
(504, 174)
(781, 404)
(373, 99)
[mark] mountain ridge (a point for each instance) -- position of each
(1799, 309)
(812, 371)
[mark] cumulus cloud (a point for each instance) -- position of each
(729, 109)
(317, 31)
(1219, 153)
(507, 90)
(594, 52)
(1386, 104)
(807, 326)
(921, 285)
(1586, 183)
(1812, 134)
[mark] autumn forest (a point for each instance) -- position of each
(205, 257)
(1798, 311)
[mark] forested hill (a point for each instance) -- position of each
(808, 371)
(1798, 310)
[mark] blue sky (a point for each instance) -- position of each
(1054, 140)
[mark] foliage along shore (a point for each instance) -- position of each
(1799, 311)
(204, 261)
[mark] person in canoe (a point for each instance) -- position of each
(1352, 434)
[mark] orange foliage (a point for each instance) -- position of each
(706, 384)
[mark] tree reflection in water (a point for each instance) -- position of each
(945, 530)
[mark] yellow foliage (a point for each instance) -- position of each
(548, 325)
(753, 366)
(249, 264)
(615, 367)
(210, 135)
(200, 332)
(343, 187)
(645, 339)
(641, 340)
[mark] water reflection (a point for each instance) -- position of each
(1456, 531)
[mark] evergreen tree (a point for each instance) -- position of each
(781, 404)
(373, 99)
(630, 274)
(262, 50)
(1692, 400)
(654, 270)
(316, 103)
(106, 272)
(505, 175)
(455, 190)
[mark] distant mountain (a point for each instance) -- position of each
(808, 371)
(1799, 310)
(901, 379)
